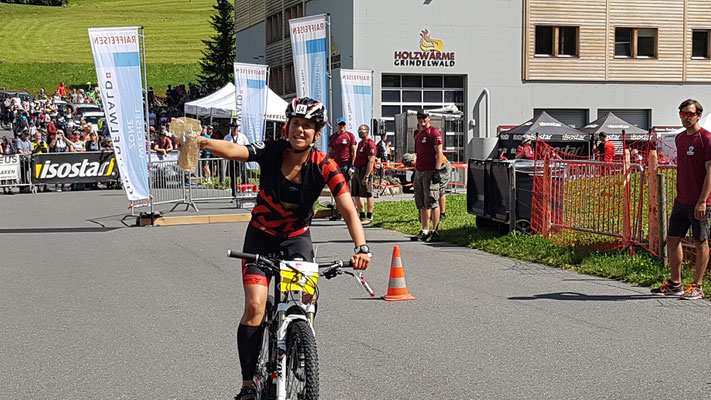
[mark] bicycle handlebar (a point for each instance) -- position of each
(332, 268)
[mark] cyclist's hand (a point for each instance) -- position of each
(360, 261)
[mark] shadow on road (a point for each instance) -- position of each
(58, 230)
(585, 297)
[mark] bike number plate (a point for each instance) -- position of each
(302, 281)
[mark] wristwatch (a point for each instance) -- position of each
(363, 249)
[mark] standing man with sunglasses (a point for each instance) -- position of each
(692, 204)
(428, 159)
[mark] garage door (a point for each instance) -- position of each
(641, 118)
(575, 117)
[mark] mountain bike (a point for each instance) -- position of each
(287, 366)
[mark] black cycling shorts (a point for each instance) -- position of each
(258, 242)
(682, 217)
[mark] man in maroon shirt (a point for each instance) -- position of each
(428, 159)
(362, 181)
(342, 148)
(692, 204)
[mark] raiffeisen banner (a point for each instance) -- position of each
(309, 44)
(118, 68)
(357, 98)
(251, 99)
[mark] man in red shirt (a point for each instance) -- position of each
(605, 149)
(692, 204)
(362, 180)
(342, 149)
(428, 158)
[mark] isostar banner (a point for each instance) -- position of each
(357, 98)
(309, 45)
(251, 99)
(118, 68)
(79, 167)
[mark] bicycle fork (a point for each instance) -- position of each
(281, 353)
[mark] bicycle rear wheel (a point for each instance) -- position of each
(301, 362)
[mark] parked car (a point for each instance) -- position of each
(24, 96)
(92, 118)
(81, 109)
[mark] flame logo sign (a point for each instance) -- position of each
(429, 44)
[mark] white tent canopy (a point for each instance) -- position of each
(222, 104)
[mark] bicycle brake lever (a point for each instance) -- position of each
(359, 277)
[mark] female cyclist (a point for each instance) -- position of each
(293, 173)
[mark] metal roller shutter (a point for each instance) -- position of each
(639, 118)
(575, 117)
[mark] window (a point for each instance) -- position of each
(391, 81)
(274, 28)
(412, 96)
(636, 42)
(276, 80)
(390, 96)
(295, 11)
(568, 41)
(289, 79)
(700, 44)
(557, 41)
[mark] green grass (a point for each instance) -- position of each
(43, 46)
(460, 229)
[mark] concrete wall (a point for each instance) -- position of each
(342, 41)
(251, 44)
(487, 39)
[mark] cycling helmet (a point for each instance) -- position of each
(308, 108)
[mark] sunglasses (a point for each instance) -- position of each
(687, 114)
(366, 131)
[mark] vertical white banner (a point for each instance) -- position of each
(251, 99)
(357, 98)
(309, 45)
(118, 68)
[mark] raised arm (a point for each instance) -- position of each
(224, 149)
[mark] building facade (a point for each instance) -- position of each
(575, 59)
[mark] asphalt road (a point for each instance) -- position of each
(93, 309)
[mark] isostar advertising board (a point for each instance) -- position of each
(309, 44)
(10, 167)
(118, 67)
(82, 167)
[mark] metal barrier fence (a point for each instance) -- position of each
(213, 180)
(457, 177)
(19, 171)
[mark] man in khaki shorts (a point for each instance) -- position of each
(428, 152)
(362, 180)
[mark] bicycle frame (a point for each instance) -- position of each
(286, 301)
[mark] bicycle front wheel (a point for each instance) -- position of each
(301, 362)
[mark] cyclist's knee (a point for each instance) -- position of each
(253, 312)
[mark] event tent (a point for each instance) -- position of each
(613, 126)
(548, 129)
(222, 104)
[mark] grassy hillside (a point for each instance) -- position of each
(42, 46)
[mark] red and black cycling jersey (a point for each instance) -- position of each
(269, 215)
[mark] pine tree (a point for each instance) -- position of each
(219, 55)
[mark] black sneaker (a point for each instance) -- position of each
(421, 236)
(668, 289)
(247, 394)
(433, 237)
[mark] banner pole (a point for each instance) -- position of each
(266, 105)
(330, 82)
(142, 35)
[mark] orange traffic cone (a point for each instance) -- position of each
(397, 289)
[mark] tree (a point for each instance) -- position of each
(219, 54)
